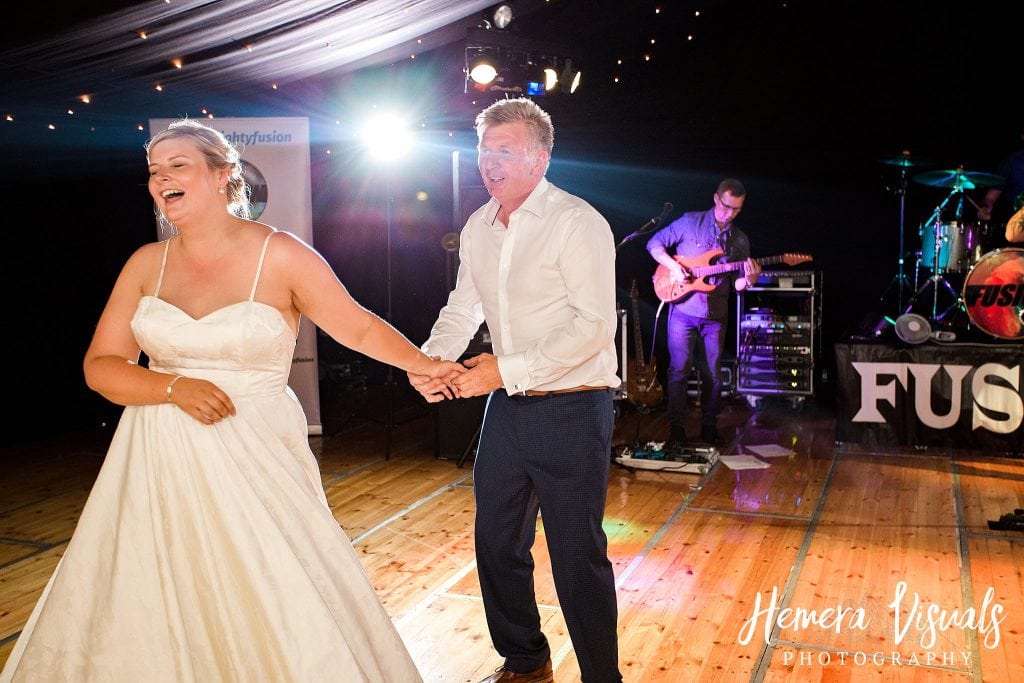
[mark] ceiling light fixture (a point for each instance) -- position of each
(502, 16)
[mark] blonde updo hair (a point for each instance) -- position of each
(220, 154)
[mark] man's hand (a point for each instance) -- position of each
(679, 274)
(751, 269)
(435, 389)
(482, 378)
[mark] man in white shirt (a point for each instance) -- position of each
(538, 265)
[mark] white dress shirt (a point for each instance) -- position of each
(545, 284)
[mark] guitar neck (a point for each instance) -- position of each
(638, 341)
(720, 268)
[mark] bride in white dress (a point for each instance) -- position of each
(206, 550)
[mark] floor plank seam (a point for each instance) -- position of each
(18, 560)
(41, 500)
(964, 560)
(406, 510)
(742, 513)
(764, 659)
(337, 478)
(992, 536)
(432, 595)
(23, 541)
(653, 541)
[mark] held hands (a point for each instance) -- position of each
(435, 383)
(480, 376)
(201, 399)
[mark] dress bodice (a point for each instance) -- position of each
(245, 348)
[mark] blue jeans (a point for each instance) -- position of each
(695, 343)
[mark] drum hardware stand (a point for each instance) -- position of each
(937, 269)
(899, 281)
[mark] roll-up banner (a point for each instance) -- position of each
(275, 160)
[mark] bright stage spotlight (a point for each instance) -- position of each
(482, 72)
(482, 65)
(386, 137)
(550, 78)
(570, 78)
(502, 16)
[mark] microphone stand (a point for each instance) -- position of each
(647, 227)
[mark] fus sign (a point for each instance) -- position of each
(991, 392)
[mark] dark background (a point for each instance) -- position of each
(801, 101)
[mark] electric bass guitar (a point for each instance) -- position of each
(642, 387)
(701, 267)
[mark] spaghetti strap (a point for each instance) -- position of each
(163, 264)
(259, 267)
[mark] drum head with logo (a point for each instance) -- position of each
(994, 293)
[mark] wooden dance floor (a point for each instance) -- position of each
(838, 562)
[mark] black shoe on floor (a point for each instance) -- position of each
(709, 434)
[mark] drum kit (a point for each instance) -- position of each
(987, 286)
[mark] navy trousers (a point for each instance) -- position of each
(550, 453)
(694, 342)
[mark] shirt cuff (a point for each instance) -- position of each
(514, 374)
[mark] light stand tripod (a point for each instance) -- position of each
(389, 380)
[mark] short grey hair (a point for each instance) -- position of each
(520, 109)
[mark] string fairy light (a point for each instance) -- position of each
(297, 40)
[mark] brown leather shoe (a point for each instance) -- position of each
(503, 675)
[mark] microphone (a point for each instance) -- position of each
(664, 213)
(655, 222)
(648, 226)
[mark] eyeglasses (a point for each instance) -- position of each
(721, 202)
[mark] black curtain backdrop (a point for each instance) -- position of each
(801, 101)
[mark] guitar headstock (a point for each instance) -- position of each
(796, 259)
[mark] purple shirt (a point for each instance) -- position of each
(691, 235)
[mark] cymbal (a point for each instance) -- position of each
(904, 160)
(958, 178)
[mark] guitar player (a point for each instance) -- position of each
(698, 322)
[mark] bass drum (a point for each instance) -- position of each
(994, 293)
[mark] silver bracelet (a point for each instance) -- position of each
(171, 386)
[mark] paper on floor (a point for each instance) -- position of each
(743, 462)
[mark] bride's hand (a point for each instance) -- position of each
(201, 399)
(434, 380)
(445, 370)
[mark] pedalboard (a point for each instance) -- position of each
(663, 456)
